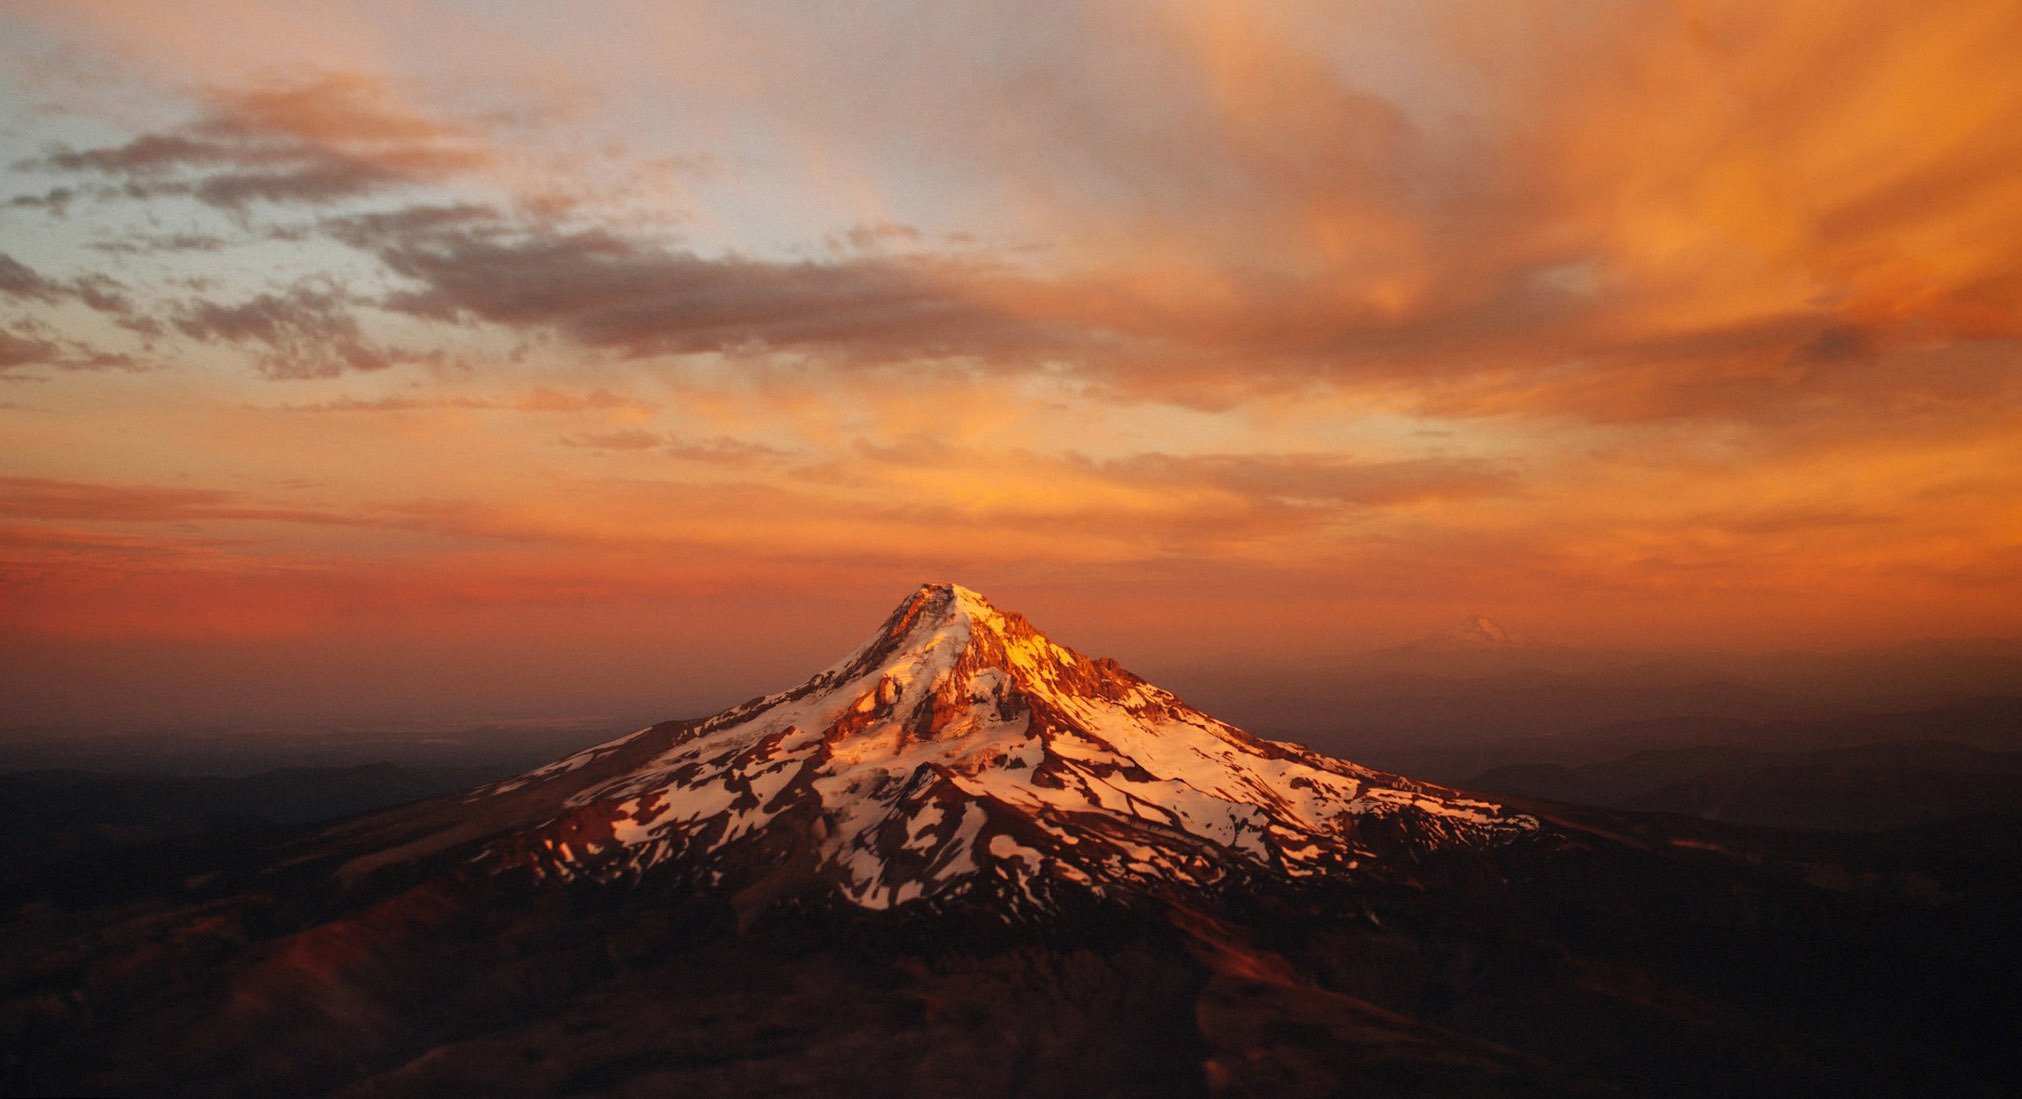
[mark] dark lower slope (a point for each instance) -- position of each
(1622, 955)
(83, 837)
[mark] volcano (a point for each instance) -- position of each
(966, 859)
(960, 753)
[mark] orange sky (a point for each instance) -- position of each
(552, 354)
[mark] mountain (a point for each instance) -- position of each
(957, 751)
(966, 859)
(1475, 632)
(1482, 630)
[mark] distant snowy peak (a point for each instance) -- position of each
(1475, 633)
(960, 752)
(1480, 629)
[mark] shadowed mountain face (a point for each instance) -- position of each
(966, 859)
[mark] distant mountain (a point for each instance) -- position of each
(968, 860)
(1475, 632)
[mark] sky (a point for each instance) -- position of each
(489, 358)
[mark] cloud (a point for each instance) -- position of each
(596, 400)
(1625, 214)
(632, 439)
(96, 291)
(142, 244)
(56, 200)
(1313, 479)
(724, 450)
(305, 331)
(721, 450)
(538, 401)
(44, 499)
(336, 137)
(18, 280)
(1545, 202)
(640, 297)
(18, 350)
(1443, 203)
(870, 236)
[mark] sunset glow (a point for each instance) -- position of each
(519, 355)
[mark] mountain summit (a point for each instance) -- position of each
(1477, 633)
(959, 752)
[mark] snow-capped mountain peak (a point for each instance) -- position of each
(1483, 630)
(961, 751)
(1477, 633)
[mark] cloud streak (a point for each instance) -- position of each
(1315, 479)
(303, 332)
(606, 290)
(334, 138)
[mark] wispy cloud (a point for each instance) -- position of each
(607, 289)
(337, 137)
(306, 331)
